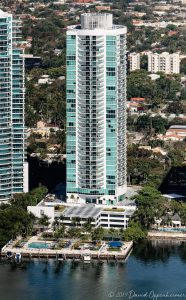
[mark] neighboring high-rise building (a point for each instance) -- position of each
(134, 61)
(164, 62)
(96, 110)
(13, 168)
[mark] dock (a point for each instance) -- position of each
(65, 254)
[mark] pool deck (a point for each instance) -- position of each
(166, 235)
(102, 253)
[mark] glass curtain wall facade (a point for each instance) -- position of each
(13, 168)
(96, 111)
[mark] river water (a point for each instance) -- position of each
(155, 270)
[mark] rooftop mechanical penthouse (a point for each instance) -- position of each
(96, 110)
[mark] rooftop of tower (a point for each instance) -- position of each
(4, 14)
(96, 21)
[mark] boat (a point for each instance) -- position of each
(60, 259)
(86, 258)
(17, 257)
(9, 255)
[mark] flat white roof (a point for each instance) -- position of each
(177, 127)
(173, 196)
(30, 56)
(92, 211)
(4, 14)
(84, 211)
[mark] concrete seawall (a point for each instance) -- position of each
(166, 235)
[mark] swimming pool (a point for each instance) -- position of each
(39, 245)
(115, 244)
(172, 229)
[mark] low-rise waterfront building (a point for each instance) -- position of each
(40, 211)
(176, 220)
(97, 215)
(115, 217)
(168, 221)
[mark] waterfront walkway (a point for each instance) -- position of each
(166, 235)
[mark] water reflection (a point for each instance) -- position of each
(182, 251)
(158, 250)
(157, 265)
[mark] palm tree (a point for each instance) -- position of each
(56, 223)
(98, 233)
(76, 221)
(113, 232)
(60, 232)
(87, 225)
(61, 218)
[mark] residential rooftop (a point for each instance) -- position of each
(83, 211)
(173, 196)
(177, 127)
(3, 14)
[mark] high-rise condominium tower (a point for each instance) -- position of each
(13, 169)
(96, 113)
